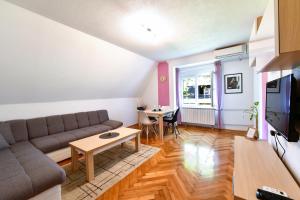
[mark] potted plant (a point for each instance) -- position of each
(253, 114)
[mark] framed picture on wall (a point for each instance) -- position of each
(233, 83)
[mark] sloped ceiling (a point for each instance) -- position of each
(197, 25)
(43, 60)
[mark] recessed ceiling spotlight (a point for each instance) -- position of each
(147, 27)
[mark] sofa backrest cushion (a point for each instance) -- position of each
(19, 130)
(37, 127)
(93, 118)
(82, 119)
(103, 115)
(55, 124)
(3, 143)
(70, 122)
(5, 131)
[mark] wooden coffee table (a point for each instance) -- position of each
(93, 145)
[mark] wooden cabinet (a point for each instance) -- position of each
(289, 26)
(255, 165)
(278, 35)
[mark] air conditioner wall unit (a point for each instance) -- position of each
(239, 51)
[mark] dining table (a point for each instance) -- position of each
(159, 115)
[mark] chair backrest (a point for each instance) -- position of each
(174, 119)
(144, 118)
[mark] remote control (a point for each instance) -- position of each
(275, 191)
(266, 195)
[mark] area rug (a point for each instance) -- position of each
(111, 166)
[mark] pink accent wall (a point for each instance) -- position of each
(264, 134)
(163, 86)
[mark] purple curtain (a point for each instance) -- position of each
(218, 76)
(177, 95)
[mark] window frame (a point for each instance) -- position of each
(196, 104)
(195, 89)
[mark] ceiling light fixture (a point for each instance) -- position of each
(147, 27)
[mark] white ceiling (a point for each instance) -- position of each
(196, 25)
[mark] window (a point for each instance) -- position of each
(204, 90)
(189, 91)
(197, 90)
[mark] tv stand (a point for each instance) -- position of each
(255, 165)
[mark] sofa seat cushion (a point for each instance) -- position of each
(82, 133)
(42, 171)
(14, 182)
(96, 129)
(89, 131)
(23, 148)
(64, 139)
(113, 124)
(46, 144)
(101, 128)
(53, 142)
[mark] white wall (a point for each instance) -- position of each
(150, 94)
(234, 105)
(193, 60)
(188, 61)
(48, 68)
(42, 60)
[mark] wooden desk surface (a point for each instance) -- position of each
(255, 165)
(93, 143)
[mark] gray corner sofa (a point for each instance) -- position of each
(25, 170)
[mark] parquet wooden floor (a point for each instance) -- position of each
(197, 165)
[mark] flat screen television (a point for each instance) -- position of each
(281, 107)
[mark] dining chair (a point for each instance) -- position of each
(172, 121)
(148, 124)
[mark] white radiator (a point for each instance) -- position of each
(198, 116)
